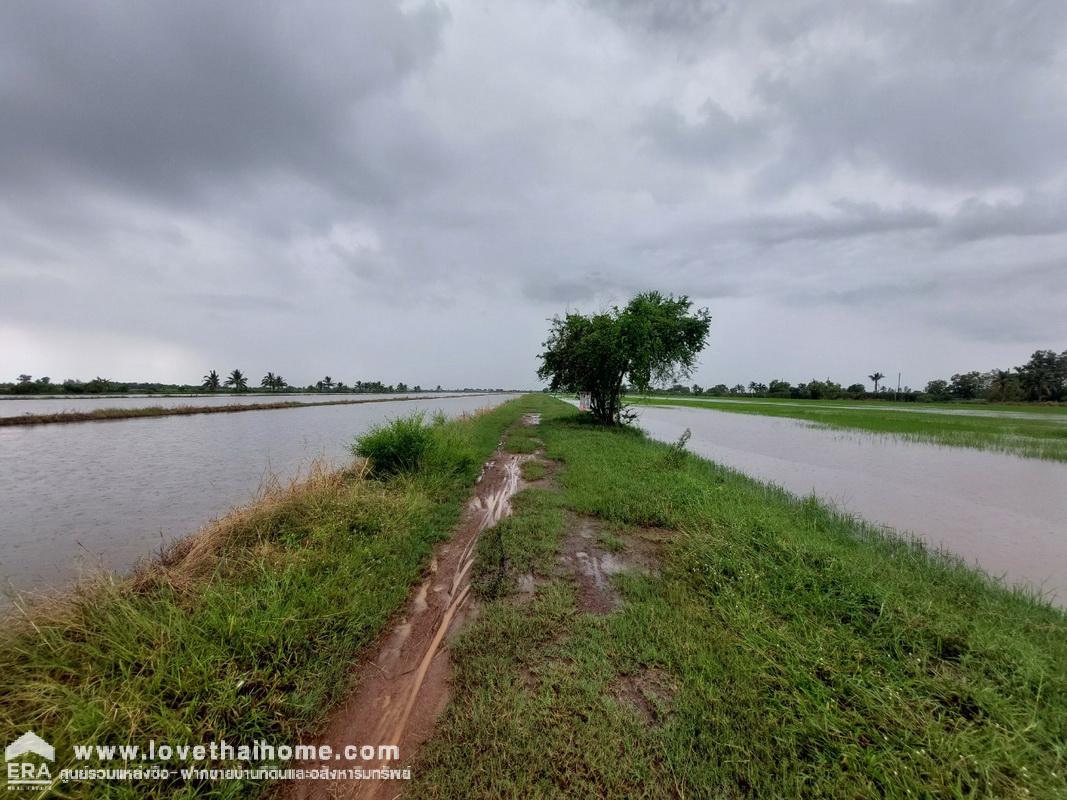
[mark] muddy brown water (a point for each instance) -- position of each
(106, 494)
(1005, 514)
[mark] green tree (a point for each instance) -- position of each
(326, 384)
(938, 390)
(1002, 385)
(98, 385)
(1044, 376)
(211, 381)
(237, 381)
(779, 388)
(654, 339)
(876, 377)
(269, 381)
(965, 385)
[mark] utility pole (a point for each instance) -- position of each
(897, 397)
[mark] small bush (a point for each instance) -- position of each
(397, 446)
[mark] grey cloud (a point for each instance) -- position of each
(668, 18)
(373, 187)
(936, 128)
(172, 99)
(851, 220)
(231, 302)
(1033, 216)
(716, 137)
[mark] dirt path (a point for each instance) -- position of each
(403, 682)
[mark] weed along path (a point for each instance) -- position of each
(402, 683)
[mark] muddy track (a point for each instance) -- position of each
(402, 685)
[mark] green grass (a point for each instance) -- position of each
(522, 440)
(1042, 433)
(533, 471)
(781, 650)
(251, 630)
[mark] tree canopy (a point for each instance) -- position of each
(654, 339)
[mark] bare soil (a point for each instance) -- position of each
(402, 685)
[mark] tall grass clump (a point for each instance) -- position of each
(398, 445)
(409, 444)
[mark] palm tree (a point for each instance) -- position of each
(1000, 381)
(327, 383)
(237, 380)
(211, 381)
(876, 377)
(270, 381)
(279, 382)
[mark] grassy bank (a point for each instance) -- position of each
(247, 631)
(106, 414)
(1031, 432)
(758, 646)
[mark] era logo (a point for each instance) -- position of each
(22, 772)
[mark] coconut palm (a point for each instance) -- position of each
(238, 381)
(1000, 384)
(279, 382)
(211, 381)
(270, 381)
(876, 377)
(327, 383)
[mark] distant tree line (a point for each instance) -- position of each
(235, 381)
(27, 384)
(1041, 379)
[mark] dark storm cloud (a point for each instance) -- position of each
(381, 187)
(172, 99)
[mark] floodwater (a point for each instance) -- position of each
(109, 493)
(14, 407)
(815, 405)
(1006, 514)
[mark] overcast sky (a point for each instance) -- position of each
(375, 190)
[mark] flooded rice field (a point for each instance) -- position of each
(1045, 414)
(107, 494)
(13, 407)
(1006, 514)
